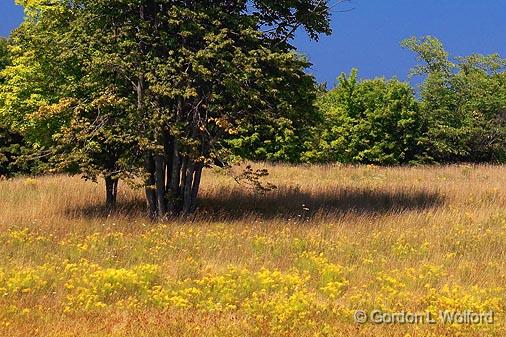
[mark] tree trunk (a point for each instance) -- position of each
(188, 184)
(111, 191)
(149, 161)
(160, 185)
(149, 166)
(169, 150)
(196, 187)
(174, 184)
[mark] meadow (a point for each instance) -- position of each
(297, 261)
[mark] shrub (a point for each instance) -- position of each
(372, 121)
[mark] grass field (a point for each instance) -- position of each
(298, 261)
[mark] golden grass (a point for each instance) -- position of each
(296, 262)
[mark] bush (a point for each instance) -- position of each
(372, 121)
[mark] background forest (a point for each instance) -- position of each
(458, 114)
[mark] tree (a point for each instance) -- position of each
(96, 143)
(180, 78)
(196, 69)
(66, 107)
(463, 102)
(372, 121)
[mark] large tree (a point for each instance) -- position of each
(65, 107)
(174, 78)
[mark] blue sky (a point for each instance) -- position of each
(368, 37)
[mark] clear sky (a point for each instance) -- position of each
(368, 37)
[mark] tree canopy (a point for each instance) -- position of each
(154, 88)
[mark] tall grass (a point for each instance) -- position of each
(334, 238)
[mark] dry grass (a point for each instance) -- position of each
(346, 238)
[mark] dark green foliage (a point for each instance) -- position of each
(280, 137)
(461, 116)
(4, 55)
(156, 90)
(10, 144)
(14, 155)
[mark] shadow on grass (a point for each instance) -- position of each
(133, 209)
(285, 203)
(292, 203)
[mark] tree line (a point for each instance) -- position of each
(157, 90)
(457, 115)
